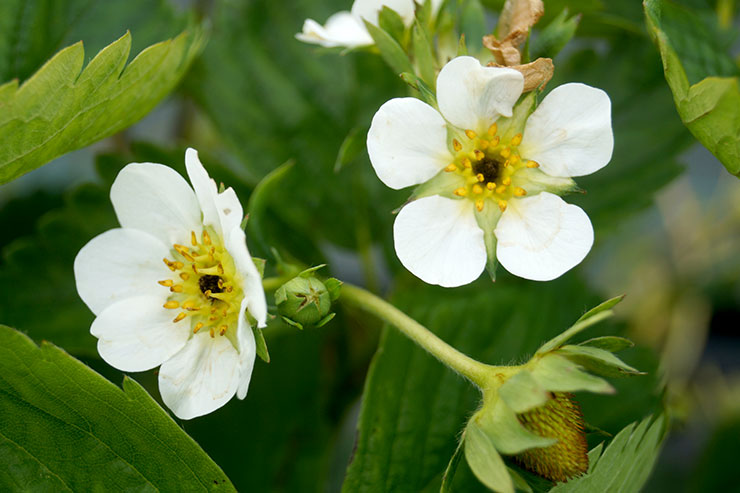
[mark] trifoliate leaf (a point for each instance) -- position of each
(62, 107)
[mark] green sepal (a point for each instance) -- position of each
(534, 180)
(260, 264)
(449, 474)
(606, 305)
(504, 430)
(390, 50)
(390, 22)
(259, 339)
(612, 344)
(292, 323)
(426, 93)
(598, 361)
(519, 483)
(442, 184)
(308, 272)
(487, 219)
(426, 62)
(522, 392)
(555, 36)
(334, 286)
(325, 320)
(509, 127)
(557, 373)
(485, 461)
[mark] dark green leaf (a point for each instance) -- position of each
(66, 428)
(549, 41)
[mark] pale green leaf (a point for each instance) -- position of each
(390, 50)
(598, 361)
(66, 428)
(485, 461)
(63, 107)
(612, 344)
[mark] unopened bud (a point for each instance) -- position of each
(304, 301)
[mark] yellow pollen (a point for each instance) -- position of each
(479, 204)
(212, 332)
(171, 304)
(478, 154)
(471, 134)
(180, 316)
(514, 158)
(501, 189)
(505, 152)
(166, 282)
(184, 276)
(495, 141)
(177, 288)
(466, 163)
(483, 144)
(520, 192)
(451, 167)
(188, 304)
(480, 177)
(456, 145)
(516, 140)
(490, 185)
(502, 205)
(461, 192)
(193, 239)
(533, 164)
(493, 129)
(506, 181)
(477, 189)
(197, 327)
(223, 330)
(178, 265)
(206, 238)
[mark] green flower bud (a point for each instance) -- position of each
(304, 301)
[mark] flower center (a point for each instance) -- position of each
(204, 287)
(489, 166)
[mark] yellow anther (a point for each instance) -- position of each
(471, 134)
(213, 318)
(501, 189)
(180, 316)
(171, 304)
(495, 141)
(477, 189)
(220, 269)
(177, 288)
(506, 163)
(223, 330)
(188, 304)
(229, 289)
(506, 181)
(505, 152)
(207, 293)
(478, 154)
(184, 276)
(166, 282)
(197, 327)
(212, 332)
(466, 163)
(492, 129)
(456, 145)
(461, 192)
(178, 265)
(516, 140)
(520, 192)
(221, 284)
(480, 177)
(514, 158)
(479, 204)
(451, 167)
(170, 264)
(195, 269)
(502, 205)
(206, 238)
(181, 248)
(483, 144)
(533, 164)
(193, 239)
(490, 185)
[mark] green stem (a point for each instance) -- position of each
(475, 371)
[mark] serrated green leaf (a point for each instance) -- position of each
(624, 466)
(702, 76)
(612, 344)
(81, 432)
(485, 461)
(62, 107)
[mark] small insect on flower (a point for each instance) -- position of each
(175, 286)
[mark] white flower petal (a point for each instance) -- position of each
(542, 237)
(407, 142)
(236, 244)
(570, 132)
(369, 9)
(119, 264)
(155, 198)
(341, 29)
(138, 334)
(201, 378)
(439, 241)
(247, 352)
(205, 189)
(472, 97)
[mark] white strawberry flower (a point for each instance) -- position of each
(175, 286)
(347, 29)
(490, 174)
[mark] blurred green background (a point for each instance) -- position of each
(665, 212)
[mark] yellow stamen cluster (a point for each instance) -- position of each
(204, 288)
(489, 165)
